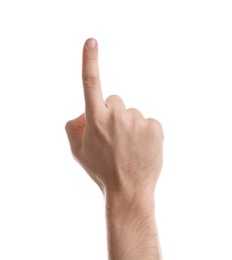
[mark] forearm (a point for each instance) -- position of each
(131, 228)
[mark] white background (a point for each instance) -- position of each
(172, 60)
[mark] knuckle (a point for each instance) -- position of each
(68, 125)
(155, 126)
(134, 111)
(114, 102)
(89, 80)
(113, 98)
(131, 109)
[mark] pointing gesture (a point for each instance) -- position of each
(123, 153)
(91, 78)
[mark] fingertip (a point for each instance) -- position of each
(90, 50)
(91, 43)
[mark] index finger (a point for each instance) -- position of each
(91, 77)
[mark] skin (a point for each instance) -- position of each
(123, 153)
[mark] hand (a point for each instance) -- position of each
(118, 147)
(122, 152)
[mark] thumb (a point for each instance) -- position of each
(75, 131)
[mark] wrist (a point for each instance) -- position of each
(123, 205)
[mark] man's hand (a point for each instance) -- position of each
(122, 153)
(118, 147)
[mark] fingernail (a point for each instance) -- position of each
(91, 43)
